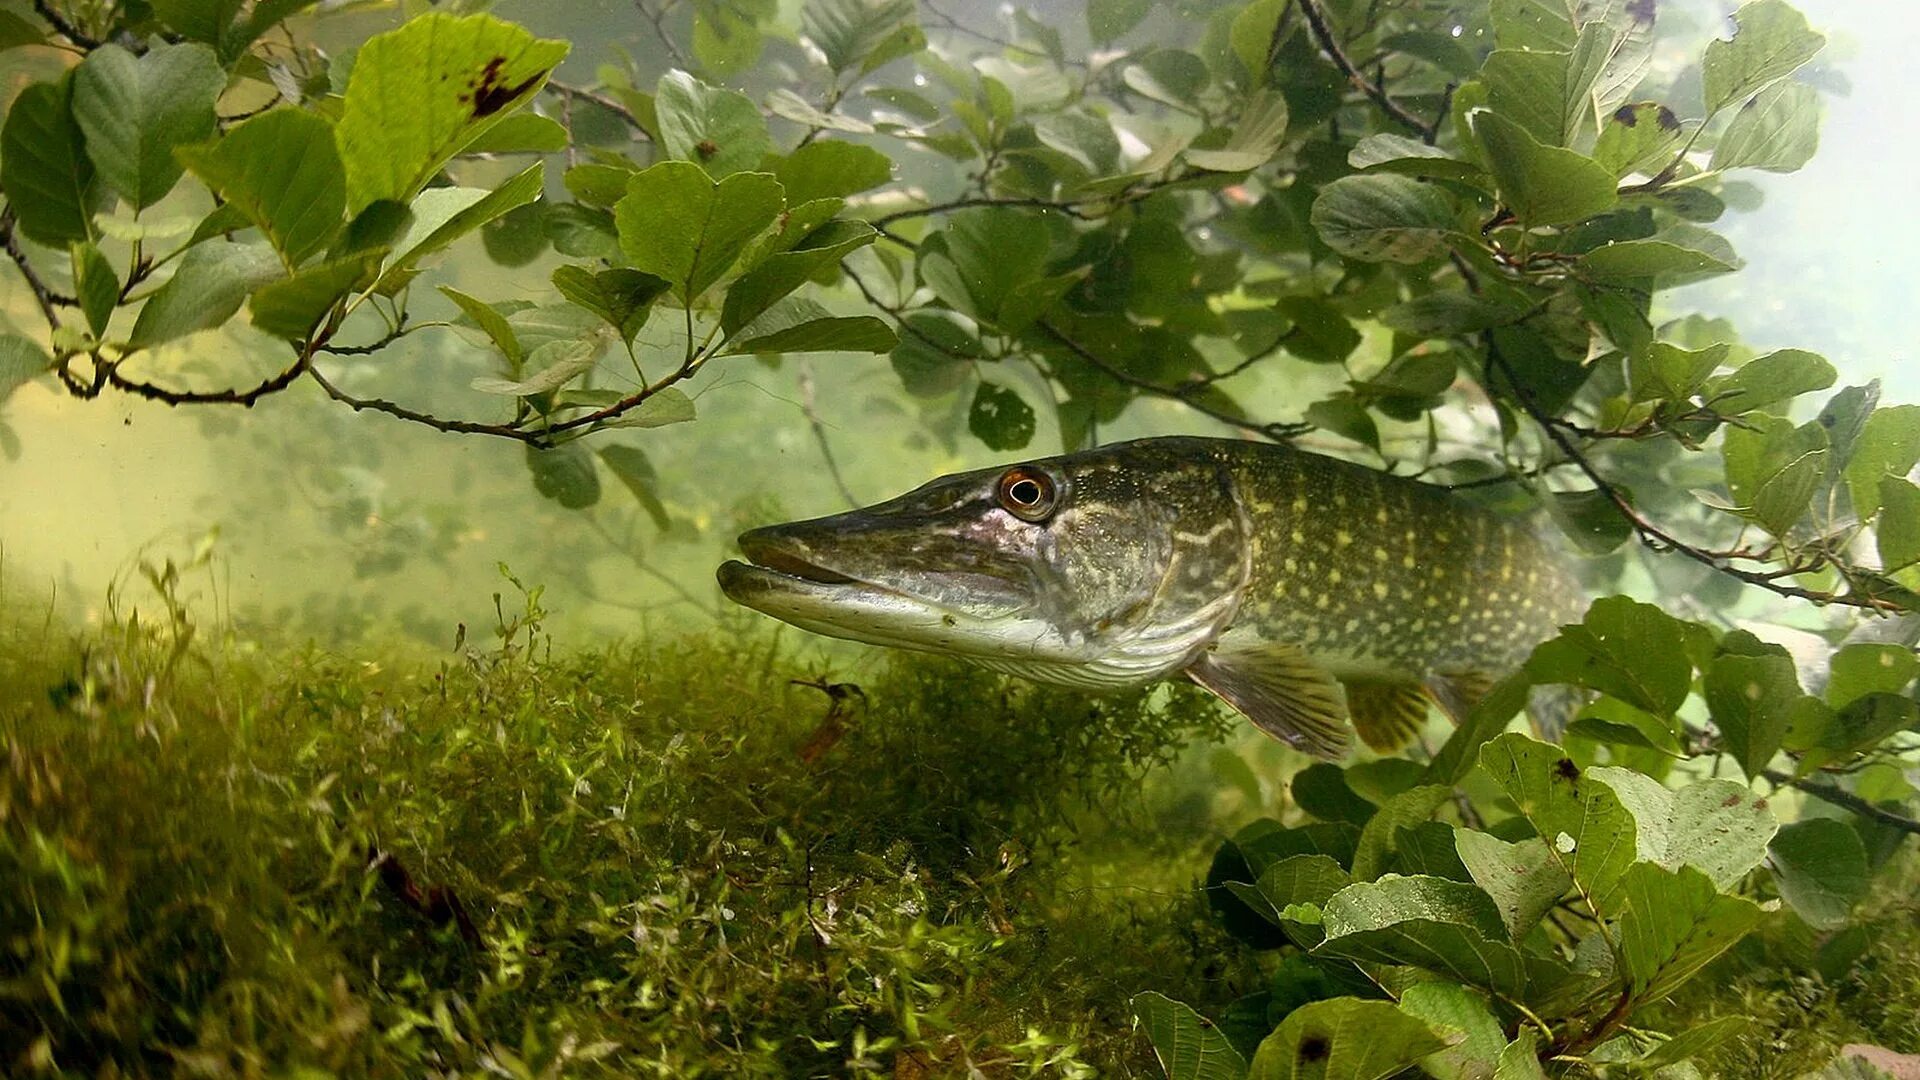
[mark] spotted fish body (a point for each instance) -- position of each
(1304, 590)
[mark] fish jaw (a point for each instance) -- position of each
(788, 578)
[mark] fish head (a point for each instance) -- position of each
(1108, 567)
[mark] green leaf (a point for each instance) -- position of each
(1541, 184)
(1388, 152)
(1777, 131)
(1665, 262)
(677, 223)
(1446, 927)
(423, 93)
(443, 215)
(1321, 789)
(789, 105)
(1820, 867)
(1450, 1008)
(720, 130)
(1669, 372)
(1187, 1045)
(282, 170)
(46, 175)
(1589, 832)
(1773, 469)
(624, 298)
(136, 109)
(1320, 334)
(291, 308)
(1591, 520)
(1896, 533)
(936, 351)
(1718, 827)
(1344, 1039)
(199, 20)
(828, 169)
(1640, 138)
(211, 282)
(565, 474)
(1524, 879)
(1674, 924)
(1256, 136)
(21, 362)
(630, 466)
(1445, 313)
(668, 405)
(1867, 667)
(1889, 445)
(1624, 648)
(987, 263)
(1383, 218)
(521, 133)
(1771, 41)
(1375, 852)
(16, 31)
(799, 325)
(1751, 699)
(95, 285)
(861, 35)
(1694, 1041)
(1863, 723)
(1000, 417)
(491, 323)
(1520, 1060)
(555, 364)
(1768, 380)
(781, 273)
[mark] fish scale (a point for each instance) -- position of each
(1304, 590)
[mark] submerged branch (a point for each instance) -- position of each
(1846, 800)
(1323, 34)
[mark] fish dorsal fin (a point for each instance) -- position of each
(1387, 715)
(1459, 692)
(1280, 690)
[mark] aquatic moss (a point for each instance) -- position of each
(666, 860)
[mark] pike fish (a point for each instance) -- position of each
(1310, 593)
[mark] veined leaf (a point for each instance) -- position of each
(624, 298)
(798, 326)
(1751, 697)
(781, 273)
(280, 169)
(554, 364)
(830, 169)
(95, 285)
(1773, 469)
(1673, 924)
(565, 474)
(1777, 131)
(491, 323)
(1255, 139)
(1447, 927)
(421, 94)
(443, 215)
(136, 109)
(1343, 1039)
(1821, 868)
(1632, 651)
(1187, 1045)
(211, 282)
(1715, 826)
(1383, 218)
(720, 130)
(47, 177)
(292, 307)
(1541, 184)
(677, 223)
(1888, 445)
(861, 35)
(21, 362)
(1524, 880)
(668, 405)
(1771, 41)
(1582, 821)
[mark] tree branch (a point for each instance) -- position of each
(1323, 33)
(63, 25)
(579, 93)
(45, 297)
(1651, 534)
(245, 398)
(1846, 800)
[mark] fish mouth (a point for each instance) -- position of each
(775, 559)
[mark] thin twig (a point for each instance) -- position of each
(1650, 533)
(580, 93)
(1323, 33)
(658, 17)
(1278, 432)
(64, 26)
(45, 297)
(245, 398)
(805, 376)
(1846, 800)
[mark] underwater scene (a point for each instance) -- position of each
(1187, 539)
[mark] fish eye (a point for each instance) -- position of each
(1027, 494)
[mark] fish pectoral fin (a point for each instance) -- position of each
(1285, 694)
(1458, 692)
(1387, 715)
